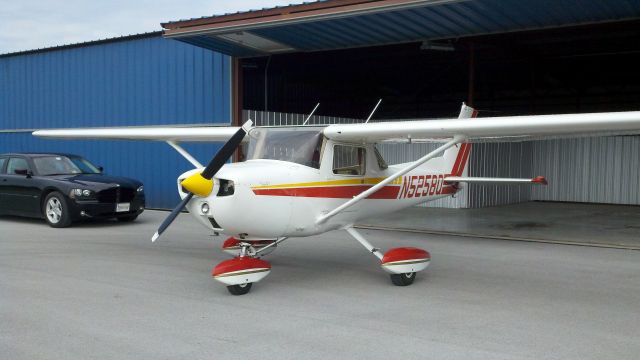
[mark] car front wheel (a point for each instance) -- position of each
(56, 211)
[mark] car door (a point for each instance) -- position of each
(3, 184)
(21, 191)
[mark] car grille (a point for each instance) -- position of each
(117, 194)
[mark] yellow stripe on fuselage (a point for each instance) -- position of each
(360, 181)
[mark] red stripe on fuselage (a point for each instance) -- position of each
(335, 192)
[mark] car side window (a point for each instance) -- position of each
(348, 160)
(2, 161)
(16, 164)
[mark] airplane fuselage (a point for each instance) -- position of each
(273, 198)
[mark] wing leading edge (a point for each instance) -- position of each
(175, 134)
(563, 125)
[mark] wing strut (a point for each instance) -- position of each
(365, 194)
(185, 154)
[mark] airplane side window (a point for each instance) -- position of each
(348, 160)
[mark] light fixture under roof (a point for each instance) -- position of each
(252, 41)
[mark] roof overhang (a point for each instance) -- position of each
(339, 24)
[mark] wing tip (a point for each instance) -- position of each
(540, 180)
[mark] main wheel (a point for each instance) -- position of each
(239, 289)
(403, 279)
(127, 218)
(56, 211)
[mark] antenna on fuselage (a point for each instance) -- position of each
(373, 111)
(309, 117)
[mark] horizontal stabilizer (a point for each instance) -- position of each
(536, 180)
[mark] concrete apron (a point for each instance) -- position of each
(613, 226)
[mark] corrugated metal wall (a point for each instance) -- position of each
(132, 82)
(272, 118)
(598, 170)
(507, 160)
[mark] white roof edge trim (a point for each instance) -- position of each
(309, 18)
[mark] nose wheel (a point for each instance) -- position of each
(239, 289)
(403, 279)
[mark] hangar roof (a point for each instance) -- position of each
(338, 24)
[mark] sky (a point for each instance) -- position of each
(32, 24)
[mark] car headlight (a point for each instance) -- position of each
(140, 189)
(81, 193)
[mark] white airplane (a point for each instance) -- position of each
(306, 180)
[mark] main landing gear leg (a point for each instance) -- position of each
(401, 263)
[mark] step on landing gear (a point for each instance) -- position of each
(401, 263)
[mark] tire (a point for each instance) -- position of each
(56, 210)
(239, 289)
(403, 279)
(127, 218)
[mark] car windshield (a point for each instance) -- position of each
(301, 145)
(64, 165)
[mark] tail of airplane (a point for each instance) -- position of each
(457, 157)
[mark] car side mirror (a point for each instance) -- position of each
(101, 169)
(25, 172)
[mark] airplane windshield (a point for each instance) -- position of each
(299, 145)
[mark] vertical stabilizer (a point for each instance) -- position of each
(457, 158)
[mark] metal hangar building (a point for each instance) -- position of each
(422, 58)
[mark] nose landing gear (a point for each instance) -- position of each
(246, 268)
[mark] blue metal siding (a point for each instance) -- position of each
(149, 81)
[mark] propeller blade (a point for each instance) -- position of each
(174, 214)
(226, 151)
(212, 168)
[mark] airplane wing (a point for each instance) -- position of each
(507, 128)
(175, 134)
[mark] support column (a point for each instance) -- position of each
(472, 74)
(236, 102)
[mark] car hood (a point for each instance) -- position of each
(98, 180)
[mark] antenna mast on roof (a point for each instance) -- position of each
(309, 117)
(373, 111)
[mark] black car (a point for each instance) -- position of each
(63, 188)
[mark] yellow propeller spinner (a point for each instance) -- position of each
(198, 185)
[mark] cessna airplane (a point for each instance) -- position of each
(306, 180)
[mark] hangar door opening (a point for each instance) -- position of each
(576, 69)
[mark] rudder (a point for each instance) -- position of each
(457, 157)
